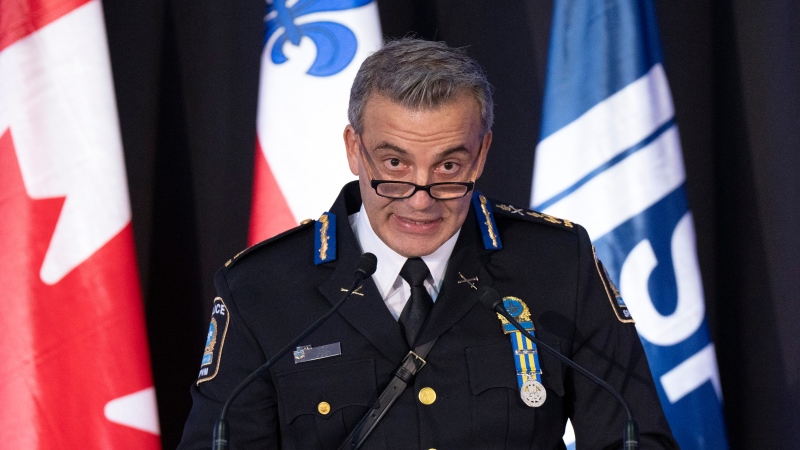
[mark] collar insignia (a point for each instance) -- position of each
(356, 292)
(469, 281)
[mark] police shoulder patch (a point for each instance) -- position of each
(508, 210)
(614, 297)
(215, 340)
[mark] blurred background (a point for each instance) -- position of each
(186, 76)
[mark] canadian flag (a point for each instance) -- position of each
(74, 361)
(312, 51)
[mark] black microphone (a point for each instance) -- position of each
(366, 266)
(492, 300)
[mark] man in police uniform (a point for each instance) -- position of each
(420, 130)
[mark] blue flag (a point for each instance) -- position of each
(610, 159)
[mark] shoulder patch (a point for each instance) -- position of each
(614, 297)
(244, 252)
(215, 340)
(508, 210)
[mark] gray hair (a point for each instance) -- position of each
(420, 75)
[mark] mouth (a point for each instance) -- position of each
(416, 225)
(417, 222)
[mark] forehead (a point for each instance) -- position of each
(456, 120)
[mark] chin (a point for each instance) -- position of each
(413, 249)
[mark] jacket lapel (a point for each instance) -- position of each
(458, 296)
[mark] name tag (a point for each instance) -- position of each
(309, 353)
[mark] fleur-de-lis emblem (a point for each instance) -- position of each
(336, 44)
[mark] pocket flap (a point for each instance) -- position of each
(491, 367)
(339, 385)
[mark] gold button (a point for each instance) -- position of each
(427, 396)
(305, 221)
(324, 408)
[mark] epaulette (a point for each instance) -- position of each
(507, 210)
(325, 238)
(248, 250)
(489, 232)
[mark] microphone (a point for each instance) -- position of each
(491, 299)
(365, 267)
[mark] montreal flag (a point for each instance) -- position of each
(74, 364)
(312, 51)
(610, 159)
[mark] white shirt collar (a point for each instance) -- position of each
(387, 275)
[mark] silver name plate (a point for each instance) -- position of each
(309, 353)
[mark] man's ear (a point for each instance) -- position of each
(485, 144)
(351, 145)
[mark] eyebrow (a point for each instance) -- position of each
(388, 146)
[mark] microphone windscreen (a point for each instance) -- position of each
(489, 297)
(367, 264)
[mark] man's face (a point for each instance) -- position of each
(421, 147)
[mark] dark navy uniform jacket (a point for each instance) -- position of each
(269, 294)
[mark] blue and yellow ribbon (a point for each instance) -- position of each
(526, 356)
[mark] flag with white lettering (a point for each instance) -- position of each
(610, 159)
(312, 51)
(75, 364)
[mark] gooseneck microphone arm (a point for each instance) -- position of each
(366, 266)
(492, 300)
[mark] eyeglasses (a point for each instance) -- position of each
(438, 191)
(449, 190)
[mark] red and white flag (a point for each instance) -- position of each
(312, 51)
(74, 361)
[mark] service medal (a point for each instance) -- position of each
(526, 356)
(533, 393)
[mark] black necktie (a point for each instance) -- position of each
(419, 305)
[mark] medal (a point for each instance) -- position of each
(533, 393)
(526, 357)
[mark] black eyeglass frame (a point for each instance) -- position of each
(470, 185)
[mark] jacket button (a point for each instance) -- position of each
(324, 408)
(427, 396)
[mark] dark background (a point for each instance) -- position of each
(186, 75)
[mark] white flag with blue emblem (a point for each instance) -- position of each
(610, 159)
(312, 51)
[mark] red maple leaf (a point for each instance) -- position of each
(67, 348)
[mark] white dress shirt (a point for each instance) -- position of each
(394, 290)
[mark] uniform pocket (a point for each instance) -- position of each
(499, 416)
(329, 399)
(493, 385)
(492, 366)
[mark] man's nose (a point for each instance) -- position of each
(420, 200)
